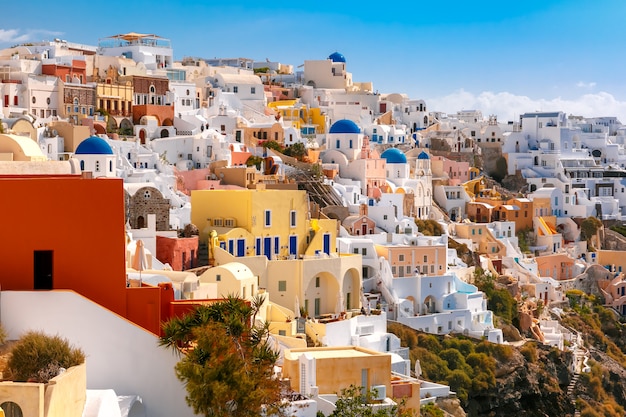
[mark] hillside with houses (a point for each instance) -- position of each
(376, 234)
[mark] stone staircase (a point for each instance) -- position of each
(579, 365)
(572, 394)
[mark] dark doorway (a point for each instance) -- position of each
(43, 269)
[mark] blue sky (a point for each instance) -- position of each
(500, 57)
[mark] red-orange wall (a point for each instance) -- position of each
(81, 220)
(170, 250)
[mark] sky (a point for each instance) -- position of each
(500, 57)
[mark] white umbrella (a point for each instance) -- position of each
(297, 307)
(140, 260)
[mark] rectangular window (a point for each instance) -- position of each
(268, 218)
(356, 251)
(252, 90)
(364, 251)
(317, 282)
(218, 277)
(432, 269)
(282, 285)
(401, 258)
(235, 89)
(425, 258)
(393, 270)
(408, 269)
(292, 218)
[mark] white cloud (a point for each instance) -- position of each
(582, 84)
(13, 36)
(509, 106)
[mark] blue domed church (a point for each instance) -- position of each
(95, 155)
(346, 137)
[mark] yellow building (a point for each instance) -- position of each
(20, 148)
(294, 257)
(275, 222)
(332, 369)
(309, 120)
(484, 242)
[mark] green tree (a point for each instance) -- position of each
(272, 144)
(589, 227)
(297, 150)
(226, 361)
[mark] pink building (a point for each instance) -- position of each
(456, 172)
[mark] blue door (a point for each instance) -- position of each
(327, 244)
(231, 246)
(293, 245)
(241, 247)
(276, 245)
(267, 247)
(258, 246)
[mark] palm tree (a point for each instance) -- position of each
(227, 362)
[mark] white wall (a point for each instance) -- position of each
(120, 355)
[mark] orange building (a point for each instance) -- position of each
(74, 71)
(69, 234)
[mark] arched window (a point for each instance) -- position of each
(76, 105)
(11, 409)
(82, 165)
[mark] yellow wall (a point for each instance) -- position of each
(337, 368)
(248, 208)
(64, 395)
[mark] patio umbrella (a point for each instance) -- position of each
(297, 307)
(140, 260)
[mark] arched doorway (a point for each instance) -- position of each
(141, 222)
(142, 136)
(165, 133)
(320, 295)
(430, 305)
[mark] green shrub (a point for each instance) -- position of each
(529, 350)
(38, 357)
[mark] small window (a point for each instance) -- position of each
(268, 218)
(292, 218)
(235, 89)
(356, 251)
(218, 277)
(317, 282)
(401, 258)
(425, 258)
(34, 99)
(252, 90)
(364, 251)
(282, 285)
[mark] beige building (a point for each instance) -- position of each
(332, 369)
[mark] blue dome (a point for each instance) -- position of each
(394, 156)
(344, 126)
(337, 57)
(94, 145)
(423, 155)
